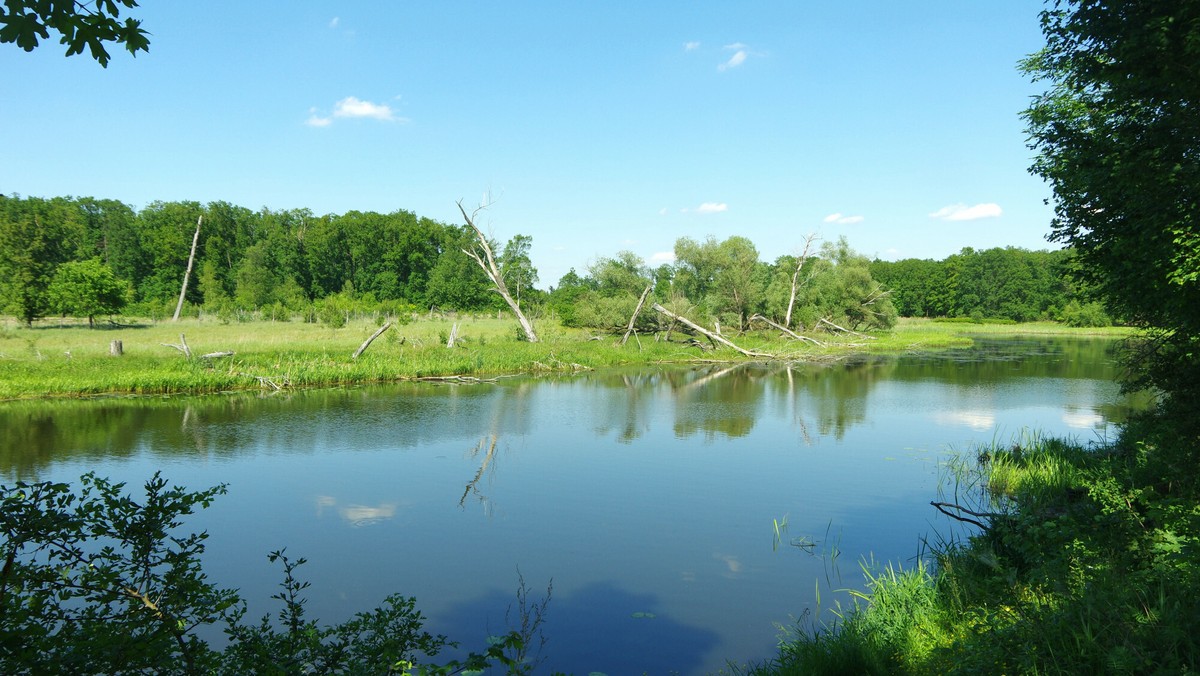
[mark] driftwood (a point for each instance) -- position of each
(716, 338)
(217, 355)
(367, 343)
(959, 510)
(265, 381)
(839, 328)
(481, 253)
(182, 346)
(636, 311)
(186, 275)
(453, 335)
(785, 329)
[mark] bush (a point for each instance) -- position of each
(99, 583)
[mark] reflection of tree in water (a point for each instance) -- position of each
(473, 485)
(626, 412)
(720, 400)
(837, 397)
(511, 410)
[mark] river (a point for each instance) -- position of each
(665, 504)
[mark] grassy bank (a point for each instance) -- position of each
(69, 359)
(1086, 563)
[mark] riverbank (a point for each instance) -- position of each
(63, 359)
(1084, 560)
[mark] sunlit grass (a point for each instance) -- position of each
(66, 358)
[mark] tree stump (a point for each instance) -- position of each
(116, 349)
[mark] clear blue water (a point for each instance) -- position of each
(650, 497)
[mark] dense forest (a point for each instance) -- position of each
(88, 257)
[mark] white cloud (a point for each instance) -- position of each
(662, 211)
(842, 219)
(736, 47)
(712, 208)
(738, 58)
(962, 212)
(354, 107)
(334, 22)
(663, 257)
(691, 46)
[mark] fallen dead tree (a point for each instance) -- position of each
(785, 330)
(714, 337)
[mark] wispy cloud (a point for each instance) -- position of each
(691, 46)
(842, 219)
(333, 23)
(962, 212)
(712, 208)
(354, 107)
(663, 257)
(738, 58)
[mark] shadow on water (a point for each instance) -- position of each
(598, 628)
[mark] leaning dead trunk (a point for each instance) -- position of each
(715, 337)
(186, 275)
(481, 253)
(787, 319)
(636, 311)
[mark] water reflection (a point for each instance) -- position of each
(649, 494)
(708, 402)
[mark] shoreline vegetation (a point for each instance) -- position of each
(66, 358)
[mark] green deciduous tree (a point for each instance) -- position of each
(79, 23)
(86, 289)
(1117, 135)
(36, 235)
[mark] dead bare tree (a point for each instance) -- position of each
(715, 337)
(188, 274)
(636, 311)
(808, 242)
(481, 253)
(367, 343)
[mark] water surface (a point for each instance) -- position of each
(650, 496)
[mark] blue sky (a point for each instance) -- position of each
(594, 127)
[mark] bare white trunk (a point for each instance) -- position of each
(482, 255)
(367, 343)
(787, 320)
(188, 274)
(636, 311)
(716, 338)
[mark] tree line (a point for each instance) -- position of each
(89, 257)
(274, 261)
(1002, 283)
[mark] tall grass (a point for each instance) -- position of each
(65, 358)
(1088, 564)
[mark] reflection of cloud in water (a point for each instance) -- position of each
(358, 515)
(976, 420)
(1084, 420)
(731, 562)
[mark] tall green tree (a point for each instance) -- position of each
(86, 289)
(36, 236)
(516, 266)
(1117, 135)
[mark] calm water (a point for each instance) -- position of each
(649, 496)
